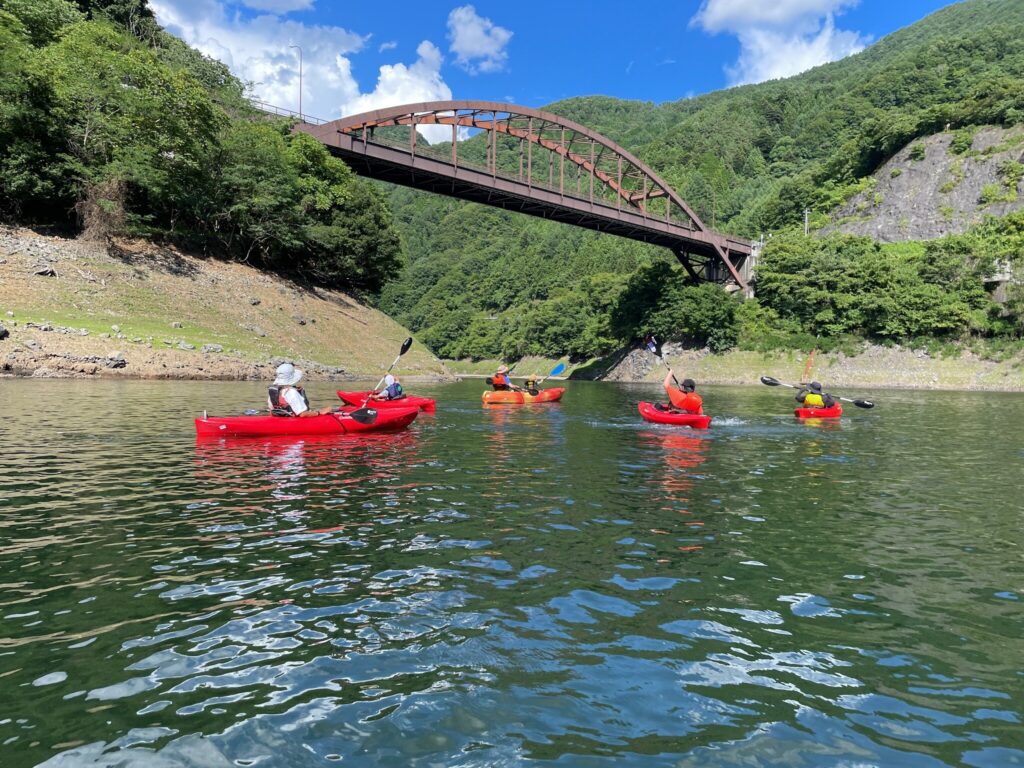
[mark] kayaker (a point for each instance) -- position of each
(286, 398)
(392, 389)
(686, 399)
(501, 381)
(811, 396)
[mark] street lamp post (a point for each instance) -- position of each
(300, 78)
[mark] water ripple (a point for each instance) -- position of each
(548, 585)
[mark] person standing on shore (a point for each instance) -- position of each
(286, 398)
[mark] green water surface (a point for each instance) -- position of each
(557, 584)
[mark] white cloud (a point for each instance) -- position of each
(401, 84)
(257, 49)
(780, 38)
(278, 6)
(389, 45)
(478, 43)
(732, 15)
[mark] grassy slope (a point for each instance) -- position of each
(144, 290)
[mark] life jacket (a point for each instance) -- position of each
(693, 402)
(394, 391)
(500, 381)
(814, 400)
(690, 402)
(278, 405)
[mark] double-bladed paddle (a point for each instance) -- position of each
(768, 380)
(366, 415)
(655, 349)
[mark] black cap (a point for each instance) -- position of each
(689, 385)
(815, 386)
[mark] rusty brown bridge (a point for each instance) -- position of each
(534, 162)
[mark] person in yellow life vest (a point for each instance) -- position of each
(811, 396)
(685, 400)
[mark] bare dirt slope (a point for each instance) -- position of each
(927, 190)
(133, 309)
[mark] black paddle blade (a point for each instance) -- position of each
(863, 403)
(489, 381)
(364, 415)
(533, 392)
(770, 381)
(405, 346)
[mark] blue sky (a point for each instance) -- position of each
(365, 55)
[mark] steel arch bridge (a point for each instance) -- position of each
(534, 162)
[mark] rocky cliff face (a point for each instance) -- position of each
(939, 185)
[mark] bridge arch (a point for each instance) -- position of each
(608, 188)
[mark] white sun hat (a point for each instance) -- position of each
(287, 375)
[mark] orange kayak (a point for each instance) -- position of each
(511, 397)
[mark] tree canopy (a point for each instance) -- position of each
(110, 125)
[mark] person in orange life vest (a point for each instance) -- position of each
(502, 381)
(811, 396)
(286, 398)
(685, 400)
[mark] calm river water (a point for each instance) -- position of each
(545, 585)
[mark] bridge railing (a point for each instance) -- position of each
(272, 109)
(602, 196)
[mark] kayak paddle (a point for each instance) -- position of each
(768, 380)
(653, 348)
(366, 415)
(554, 372)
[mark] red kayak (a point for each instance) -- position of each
(389, 419)
(696, 420)
(819, 413)
(405, 401)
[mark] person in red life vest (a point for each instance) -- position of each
(685, 400)
(286, 398)
(501, 381)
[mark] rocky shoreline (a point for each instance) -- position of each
(876, 367)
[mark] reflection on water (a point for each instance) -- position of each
(558, 583)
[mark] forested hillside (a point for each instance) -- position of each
(110, 126)
(481, 283)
